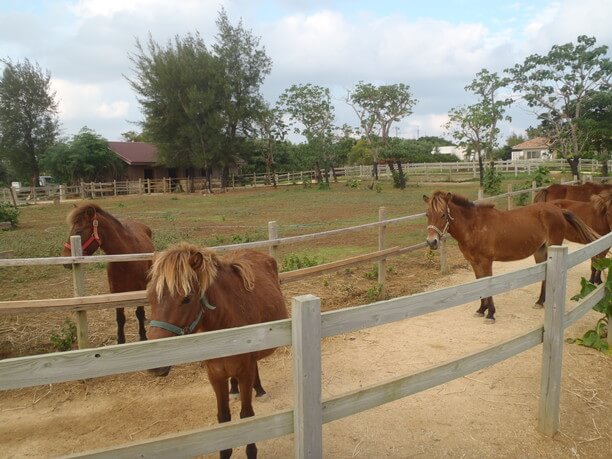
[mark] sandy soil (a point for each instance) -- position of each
(491, 413)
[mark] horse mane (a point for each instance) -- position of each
(540, 196)
(183, 266)
(82, 209)
(602, 201)
(439, 200)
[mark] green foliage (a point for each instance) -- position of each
(492, 181)
(322, 186)
(85, 157)
(378, 187)
(372, 274)
(9, 214)
(542, 176)
(523, 198)
(28, 117)
(374, 293)
(352, 183)
(63, 339)
(243, 238)
(596, 338)
(293, 262)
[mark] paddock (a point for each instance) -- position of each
(492, 411)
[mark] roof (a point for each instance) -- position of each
(537, 143)
(135, 153)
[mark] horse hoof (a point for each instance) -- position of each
(489, 321)
(538, 306)
(479, 314)
(263, 397)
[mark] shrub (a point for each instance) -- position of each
(9, 214)
(378, 187)
(293, 262)
(541, 176)
(65, 337)
(352, 183)
(375, 292)
(492, 181)
(372, 273)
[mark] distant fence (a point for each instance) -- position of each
(427, 172)
(303, 332)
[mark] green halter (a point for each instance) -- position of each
(187, 329)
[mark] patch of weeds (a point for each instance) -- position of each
(378, 187)
(219, 240)
(9, 214)
(170, 217)
(120, 205)
(293, 262)
(63, 339)
(323, 186)
(372, 274)
(242, 239)
(99, 265)
(307, 184)
(352, 183)
(391, 270)
(374, 293)
(349, 271)
(325, 283)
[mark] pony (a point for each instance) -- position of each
(597, 213)
(192, 289)
(574, 192)
(485, 234)
(100, 230)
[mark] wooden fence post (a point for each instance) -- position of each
(510, 197)
(382, 264)
(78, 279)
(92, 188)
(480, 193)
(552, 349)
(13, 197)
(148, 186)
(307, 410)
(534, 185)
(272, 235)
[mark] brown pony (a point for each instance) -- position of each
(486, 234)
(99, 229)
(192, 289)
(574, 192)
(597, 213)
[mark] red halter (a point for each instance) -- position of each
(94, 235)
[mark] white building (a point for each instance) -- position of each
(460, 152)
(536, 148)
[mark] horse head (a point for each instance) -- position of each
(84, 222)
(179, 278)
(438, 217)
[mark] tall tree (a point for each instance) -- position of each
(245, 65)
(596, 125)
(377, 108)
(556, 85)
(181, 91)
(28, 117)
(476, 126)
(311, 115)
(85, 157)
(272, 130)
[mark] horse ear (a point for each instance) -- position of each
(90, 211)
(426, 198)
(196, 260)
(449, 196)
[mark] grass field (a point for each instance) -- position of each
(225, 218)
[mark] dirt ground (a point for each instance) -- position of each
(490, 413)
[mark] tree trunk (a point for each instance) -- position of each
(326, 175)
(375, 170)
(480, 169)
(333, 171)
(225, 176)
(318, 173)
(604, 165)
(402, 176)
(209, 178)
(573, 163)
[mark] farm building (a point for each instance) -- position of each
(536, 148)
(459, 152)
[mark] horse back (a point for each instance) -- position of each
(587, 212)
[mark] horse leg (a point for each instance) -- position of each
(140, 314)
(246, 382)
(484, 269)
(219, 385)
(540, 256)
(259, 390)
(120, 325)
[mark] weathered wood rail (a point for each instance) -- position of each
(303, 331)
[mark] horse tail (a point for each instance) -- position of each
(540, 196)
(585, 232)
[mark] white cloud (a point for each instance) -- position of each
(84, 101)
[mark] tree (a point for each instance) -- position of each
(475, 126)
(182, 94)
(86, 157)
(244, 65)
(133, 136)
(596, 125)
(272, 130)
(377, 108)
(28, 117)
(556, 86)
(312, 115)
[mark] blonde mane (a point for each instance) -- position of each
(179, 269)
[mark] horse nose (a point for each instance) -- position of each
(162, 371)
(432, 243)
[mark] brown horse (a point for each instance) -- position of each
(192, 289)
(486, 234)
(597, 213)
(99, 229)
(574, 192)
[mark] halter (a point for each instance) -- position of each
(189, 328)
(449, 218)
(94, 235)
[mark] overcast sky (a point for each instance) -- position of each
(436, 47)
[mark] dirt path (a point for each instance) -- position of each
(491, 413)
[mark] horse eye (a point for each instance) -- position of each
(186, 300)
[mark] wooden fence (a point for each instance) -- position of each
(445, 172)
(304, 331)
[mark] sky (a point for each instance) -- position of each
(436, 47)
